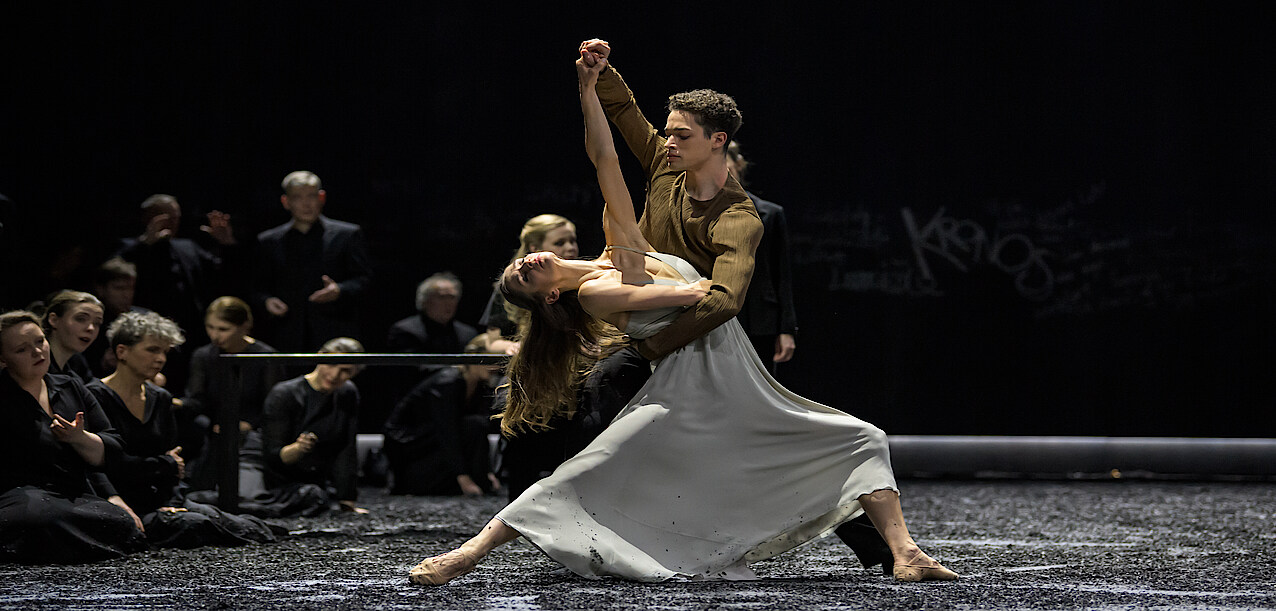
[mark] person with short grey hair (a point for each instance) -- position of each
(434, 329)
(148, 477)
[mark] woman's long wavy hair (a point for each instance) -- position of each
(560, 344)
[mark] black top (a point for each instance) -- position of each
(77, 366)
(294, 407)
(209, 379)
(422, 335)
(342, 255)
(768, 304)
(495, 316)
(428, 419)
(30, 455)
(175, 277)
(145, 476)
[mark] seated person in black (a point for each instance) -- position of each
(53, 435)
(72, 321)
(149, 474)
(436, 437)
(227, 322)
(308, 454)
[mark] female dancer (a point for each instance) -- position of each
(712, 466)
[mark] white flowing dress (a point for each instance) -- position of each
(711, 466)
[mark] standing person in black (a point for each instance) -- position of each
(311, 272)
(149, 474)
(177, 277)
(767, 315)
(436, 437)
(53, 435)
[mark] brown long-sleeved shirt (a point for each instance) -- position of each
(718, 236)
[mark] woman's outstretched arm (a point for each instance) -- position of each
(620, 225)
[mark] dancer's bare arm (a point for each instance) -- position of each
(620, 225)
(606, 298)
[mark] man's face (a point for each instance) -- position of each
(118, 294)
(440, 304)
(172, 220)
(304, 203)
(688, 147)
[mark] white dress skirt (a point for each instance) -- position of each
(711, 466)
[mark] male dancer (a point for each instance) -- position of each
(696, 210)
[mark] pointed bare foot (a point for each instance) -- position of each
(920, 567)
(443, 568)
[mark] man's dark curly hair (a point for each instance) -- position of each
(715, 111)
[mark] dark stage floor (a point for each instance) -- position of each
(1017, 544)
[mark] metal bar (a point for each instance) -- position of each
(372, 359)
(227, 448)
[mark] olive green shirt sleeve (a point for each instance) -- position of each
(622, 110)
(735, 236)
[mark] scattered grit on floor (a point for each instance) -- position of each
(1017, 545)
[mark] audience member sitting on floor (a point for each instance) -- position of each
(543, 232)
(150, 472)
(436, 437)
(72, 320)
(227, 322)
(308, 454)
(53, 434)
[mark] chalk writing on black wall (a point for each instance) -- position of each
(1071, 258)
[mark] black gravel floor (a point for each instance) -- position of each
(1017, 544)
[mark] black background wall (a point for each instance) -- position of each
(1042, 218)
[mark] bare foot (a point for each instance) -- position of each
(443, 568)
(920, 567)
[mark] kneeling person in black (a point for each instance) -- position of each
(53, 436)
(436, 437)
(150, 472)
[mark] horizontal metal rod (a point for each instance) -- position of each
(360, 358)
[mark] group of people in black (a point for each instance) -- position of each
(110, 427)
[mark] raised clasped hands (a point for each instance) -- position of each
(587, 71)
(593, 51)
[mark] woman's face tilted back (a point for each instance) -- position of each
(24, 351)
(531, 277)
